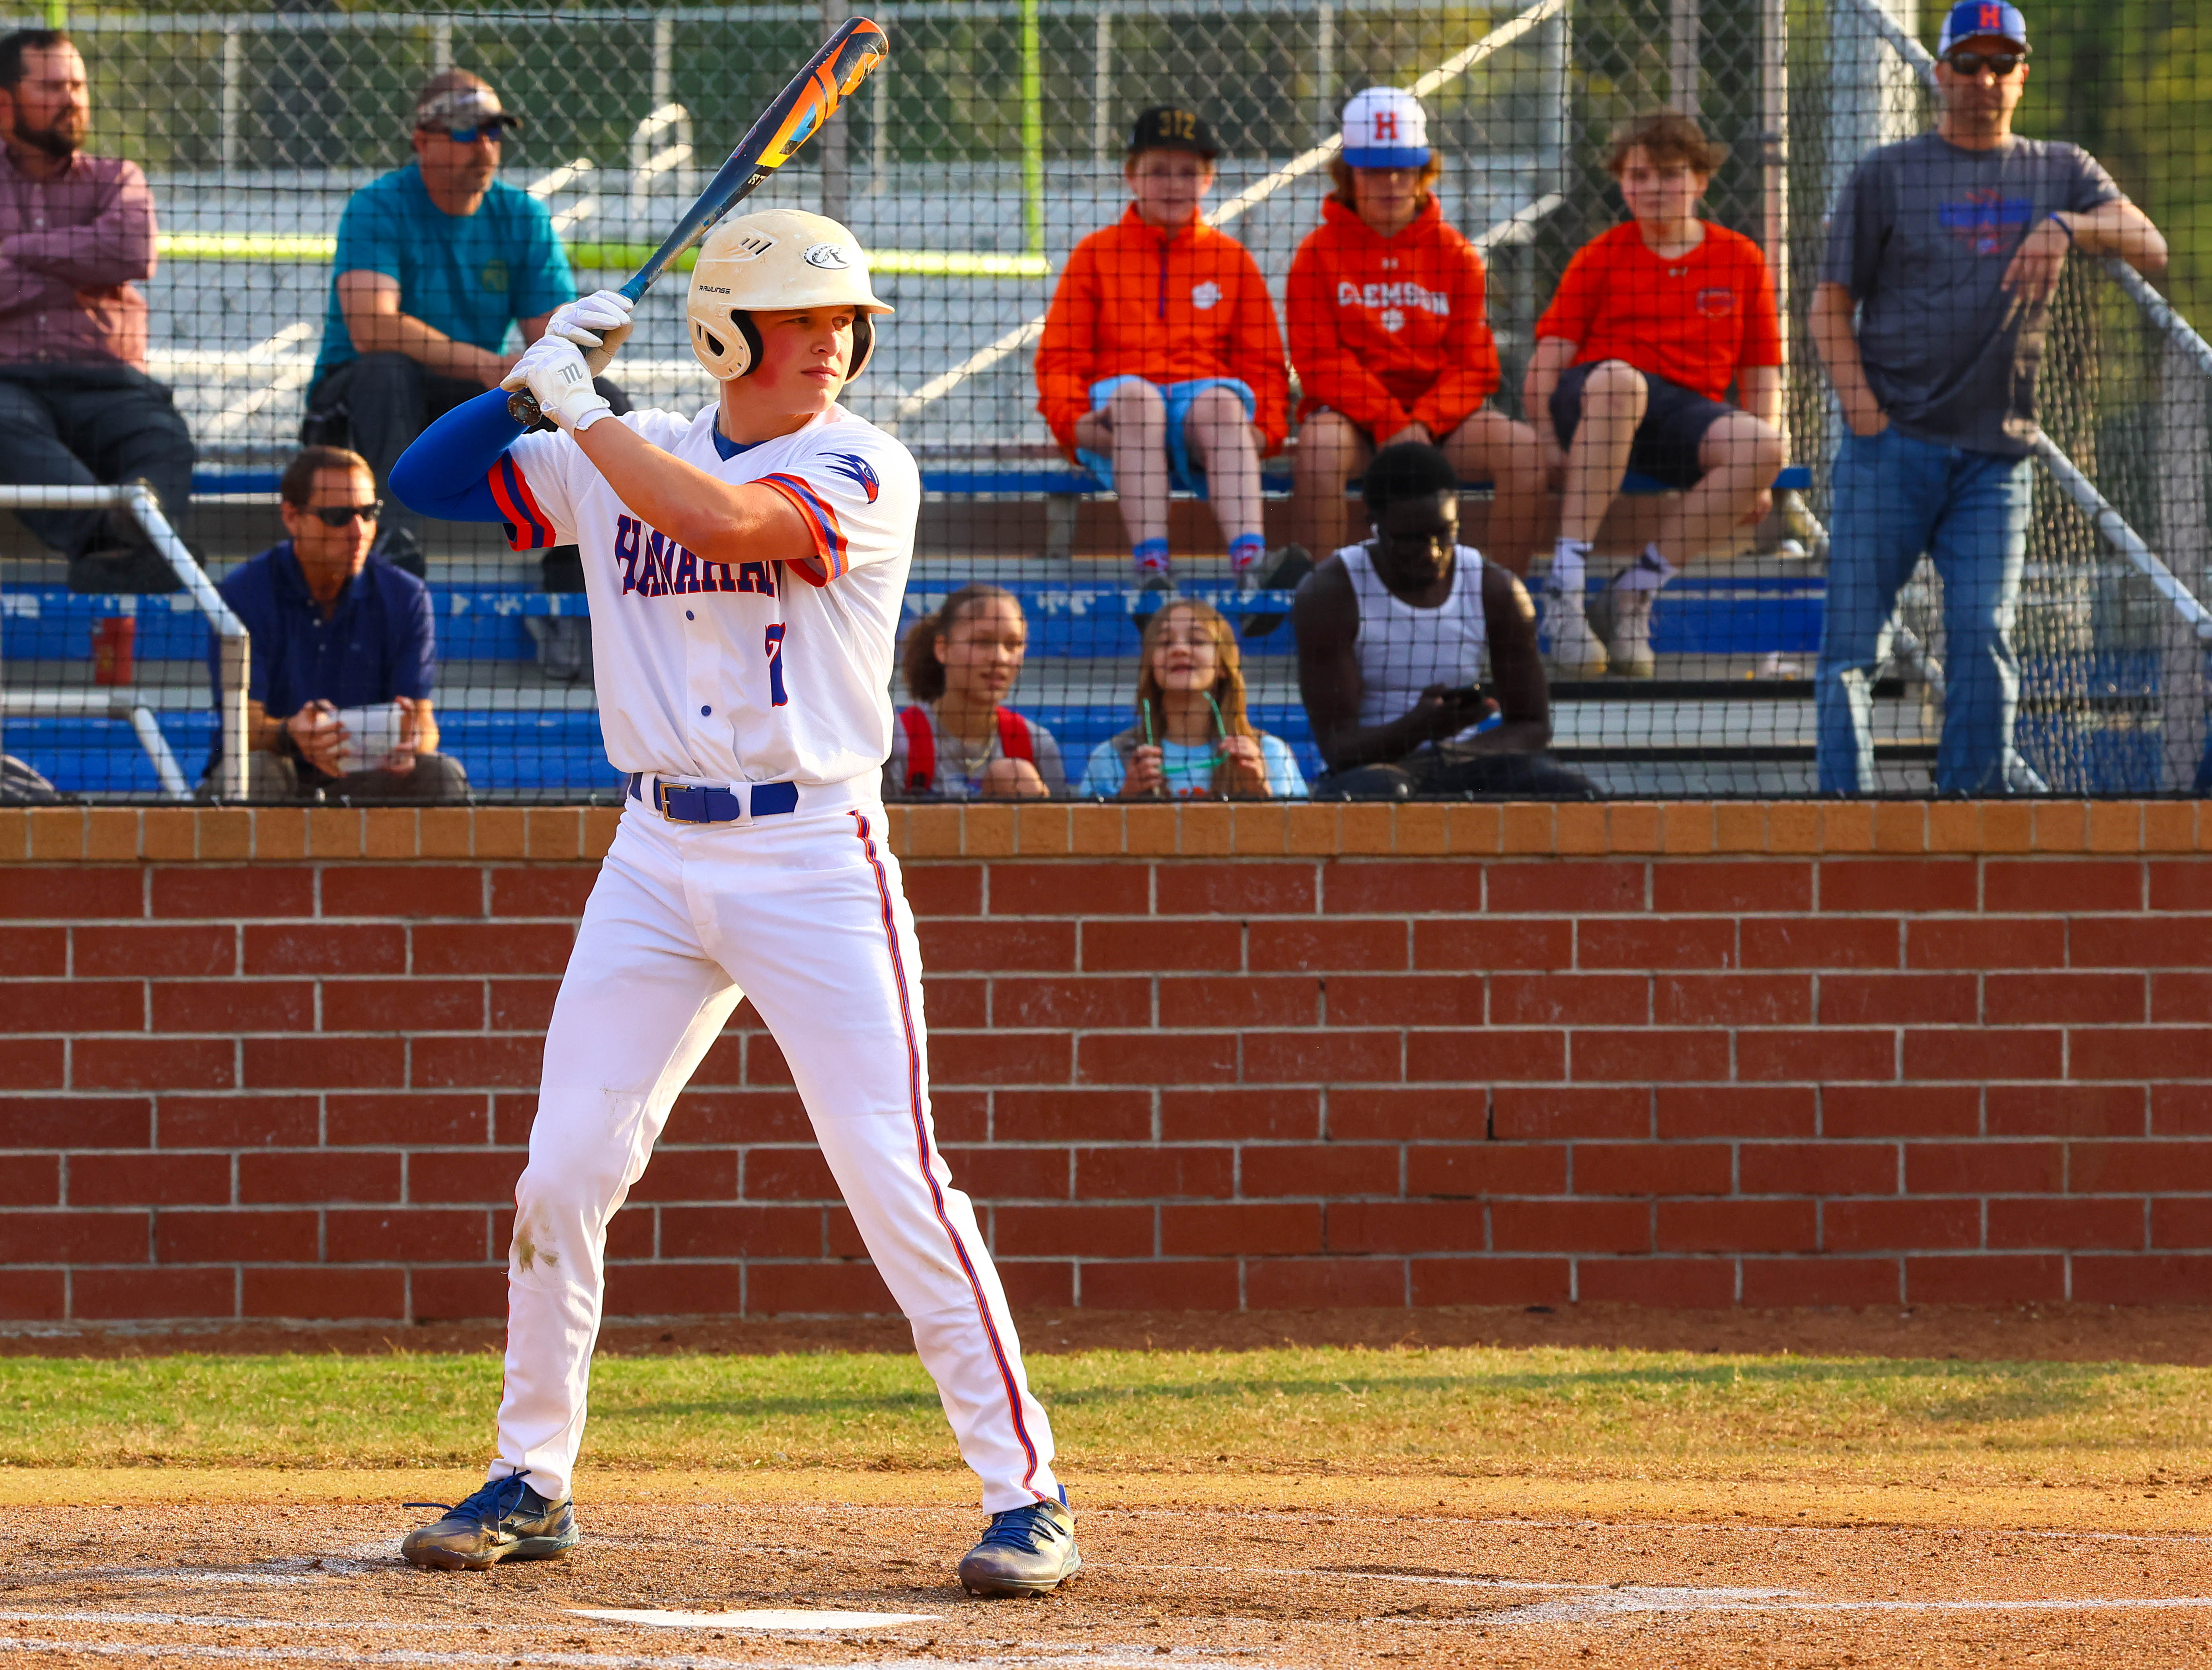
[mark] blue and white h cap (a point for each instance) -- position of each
(1995, 18)
(1385, 127)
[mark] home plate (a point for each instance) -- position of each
(762, 1620)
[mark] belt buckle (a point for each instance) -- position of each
(660, 801)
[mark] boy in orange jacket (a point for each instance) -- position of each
(1390, 341)
(1161, 364)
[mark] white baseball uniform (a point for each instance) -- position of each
(755, 693)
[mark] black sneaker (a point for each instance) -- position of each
(126, 569)
(1025, 1551)
(504, 1520)
(1279, 570)
(1154, 588)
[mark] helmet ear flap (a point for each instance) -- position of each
(746, 355)
(864, 343)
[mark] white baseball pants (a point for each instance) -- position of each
(804, 914)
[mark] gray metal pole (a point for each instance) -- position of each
(836, 169)
(1682, 56)
(1774, 151)
(2179, 448)
(1325, 100)
(1554, 115)
(1101, 84)
(234, 71)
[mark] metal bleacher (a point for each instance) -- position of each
(1731, 710)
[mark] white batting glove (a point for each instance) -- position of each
(599, 324)
(553, 369)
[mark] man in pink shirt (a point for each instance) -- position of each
(76, 407)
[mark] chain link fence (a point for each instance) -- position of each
(971, 166)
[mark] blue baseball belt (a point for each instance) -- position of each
(686, 802)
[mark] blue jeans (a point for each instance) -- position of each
(1897, 497)
(1182, 475)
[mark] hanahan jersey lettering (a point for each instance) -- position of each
(1403, 293)
(655, 566)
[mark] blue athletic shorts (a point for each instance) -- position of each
(1183, 474)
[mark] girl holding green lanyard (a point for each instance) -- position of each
(1191, 737)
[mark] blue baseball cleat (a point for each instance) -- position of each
(1029, 1550)
(504, 1520)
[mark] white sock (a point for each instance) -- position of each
(1568, 558)
(1647, 573)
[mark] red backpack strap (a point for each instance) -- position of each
(921, 751)
(1014, 737)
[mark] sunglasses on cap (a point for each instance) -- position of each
(339, 516)
(1999, 64)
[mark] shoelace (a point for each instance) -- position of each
(1024, 1528)
(488, 1505)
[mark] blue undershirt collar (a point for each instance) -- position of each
(728, 448)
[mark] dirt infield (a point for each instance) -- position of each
(148, 1568)
(1935, 1564)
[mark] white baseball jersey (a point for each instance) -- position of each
(736, 672)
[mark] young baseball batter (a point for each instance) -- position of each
(744, 567)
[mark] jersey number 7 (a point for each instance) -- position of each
(775, 647)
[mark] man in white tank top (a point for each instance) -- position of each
(1395, 637)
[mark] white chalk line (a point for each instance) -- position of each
(1127, 1660)
(2191, 1537)
(782, 1620)
(1594, 1601)
(1625, 1602)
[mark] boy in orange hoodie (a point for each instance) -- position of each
(1161, 364)
(1390, 341)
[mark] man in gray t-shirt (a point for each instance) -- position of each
(1948, 246)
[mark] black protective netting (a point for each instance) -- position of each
(970, 166)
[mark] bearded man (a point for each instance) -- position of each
(76, 407)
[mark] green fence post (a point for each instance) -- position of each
(1032, 128)
(58, 14)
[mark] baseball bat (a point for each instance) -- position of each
(801, 109)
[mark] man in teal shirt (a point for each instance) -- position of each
(435, 261)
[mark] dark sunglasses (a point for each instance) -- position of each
(1999, 64)
(339, 516)
(490, 132)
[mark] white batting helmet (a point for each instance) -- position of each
(779, 258)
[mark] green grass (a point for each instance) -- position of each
(1443, 1412)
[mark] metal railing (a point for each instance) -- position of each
(233, 659)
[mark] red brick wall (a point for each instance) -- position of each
(282, 1065)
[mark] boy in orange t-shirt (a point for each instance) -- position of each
(1652, 322)
(1161, 364)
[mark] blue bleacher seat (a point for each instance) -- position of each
(561, 751)
(1049, 482)
(1061, 483)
